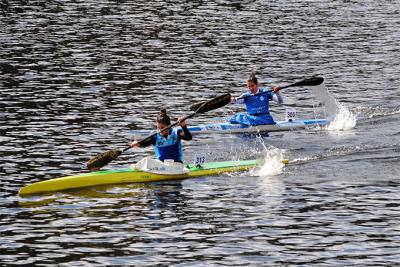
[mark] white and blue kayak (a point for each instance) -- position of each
(230, 128)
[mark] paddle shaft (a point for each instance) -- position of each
(163, 129)
(261, 93)
(214, 103)
(305, 82)
(266, 92)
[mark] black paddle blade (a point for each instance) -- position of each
(196, 106)
(212, 104)
(310, 82)
(102, 159)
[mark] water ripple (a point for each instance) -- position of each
(77, 76)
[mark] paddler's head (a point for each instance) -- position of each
(163, 121)
(252, 83)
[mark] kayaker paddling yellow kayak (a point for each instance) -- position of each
(167, 144)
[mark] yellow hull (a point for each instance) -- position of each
(132, 176)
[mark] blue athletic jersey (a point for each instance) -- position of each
(259, 104)
(168, 148)
(257, 108)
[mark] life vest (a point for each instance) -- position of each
(259, 104)
(168, 148)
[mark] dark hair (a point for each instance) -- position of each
(163, 117)
(252, 78)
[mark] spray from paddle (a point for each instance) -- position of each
(272, 165)
(344, 120)
(341, 118)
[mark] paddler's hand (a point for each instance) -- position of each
(276, 89)
(135, 144)
(182, 122)
(233, 99)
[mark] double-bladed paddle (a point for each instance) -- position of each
(104, 158)
(314, 81)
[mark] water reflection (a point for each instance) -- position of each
(76, 77)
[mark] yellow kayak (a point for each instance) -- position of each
(130, 175)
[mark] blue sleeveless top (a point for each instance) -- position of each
(259, 104)
(168, 148)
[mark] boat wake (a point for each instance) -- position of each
(379, 115)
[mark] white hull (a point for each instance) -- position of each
(229, 128)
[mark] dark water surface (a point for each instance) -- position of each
(77, 76)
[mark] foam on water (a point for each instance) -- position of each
(272, 164)
(344, 120)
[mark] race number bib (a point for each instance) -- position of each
(199, 159)
(290, 114)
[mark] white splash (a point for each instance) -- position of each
(329, 103)
(341, 117)
(344, 120)
(272, 164)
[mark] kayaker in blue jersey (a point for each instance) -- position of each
(257, 106)
(167, 144)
